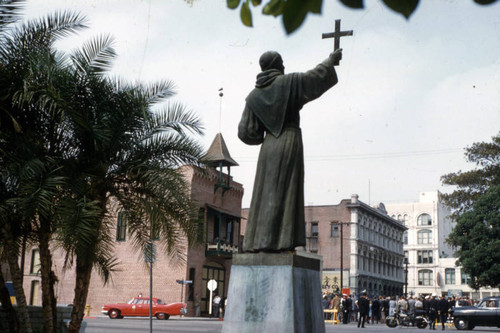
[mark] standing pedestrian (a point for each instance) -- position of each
(325, 303)
(443, 307)
(411, 306)
(346, 309)
(364, 308)
(375, 310)
(433, 309)
(216, 303)
(392, 306)
(385, 308)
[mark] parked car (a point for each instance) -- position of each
(486, 313)
(139, 307)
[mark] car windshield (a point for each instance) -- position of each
(159, 301)
(486, 304)
(130, 302)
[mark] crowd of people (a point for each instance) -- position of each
(375, 310)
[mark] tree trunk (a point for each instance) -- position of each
(83, 275)
(10, 313)
(48, 297)
(54, 300)
(12, 259)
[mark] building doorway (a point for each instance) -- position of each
(212, 271)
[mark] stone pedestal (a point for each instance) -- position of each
(275, 293)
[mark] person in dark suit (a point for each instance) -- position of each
(346, 308)
(443, 307)
(433, 309)
(375, 310)
(364, 309)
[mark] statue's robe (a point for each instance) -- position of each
(271, 117)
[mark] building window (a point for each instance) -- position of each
(191, 285)
(314, 229)
(424, 220)
(424, 237)
(334, 229)
(424, 257)
(465, 278)
(35, 262)
(405, 237)
(405, 219)
(35, 292)
(449, 274)
(425, 277)
(121, 227)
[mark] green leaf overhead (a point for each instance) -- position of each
(296, 11)
(274, 7)
(484, 2)
(246, 15)
(353, 3)
(233, 4)
(404, 7)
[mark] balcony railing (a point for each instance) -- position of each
(221, 249)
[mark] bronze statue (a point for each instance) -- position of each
(271, 118)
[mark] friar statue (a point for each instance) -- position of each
(271, 117)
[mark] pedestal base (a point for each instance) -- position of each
(274, 293)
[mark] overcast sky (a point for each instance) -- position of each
(411, 93)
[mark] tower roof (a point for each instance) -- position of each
(218, 152)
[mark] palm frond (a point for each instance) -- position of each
(175, 116)
(157, 92)
(40, 182)
(10, 12)
(160, 196)
(173, 150)
(57, 25)
(79, 221)
(96, 56)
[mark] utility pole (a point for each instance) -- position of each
(341, 256)
(406, 277)
(342, 253)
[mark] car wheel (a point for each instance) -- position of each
(162, 316)
(114, 314)
(462, 324)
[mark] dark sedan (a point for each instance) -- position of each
(486, 313)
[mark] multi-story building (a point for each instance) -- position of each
(218, 199)
(430, 263)
(360, 245)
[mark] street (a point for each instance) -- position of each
(202, 325)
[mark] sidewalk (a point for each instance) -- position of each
(171, 318)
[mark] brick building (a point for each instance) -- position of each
(218, 199)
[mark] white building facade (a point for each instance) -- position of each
(431, 266)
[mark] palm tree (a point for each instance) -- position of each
(32, 120)
(125, 158)
(84, 141)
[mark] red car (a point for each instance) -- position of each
(139, 307)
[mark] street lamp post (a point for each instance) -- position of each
(342, 254)
(406, 277)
